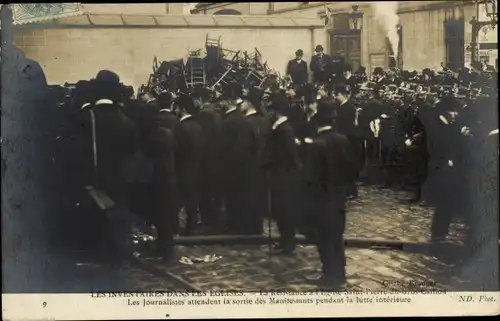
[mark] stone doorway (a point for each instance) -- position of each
(348, 46)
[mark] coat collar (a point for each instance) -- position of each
(279, 121)
(493, 132)
(85, 106)
(230, 110)
(104, 102)
(251, 112)
(324, 129)
(345, 102)
(187, 116)
(165, 110)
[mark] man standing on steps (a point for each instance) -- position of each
(297, 69)
(321, 66)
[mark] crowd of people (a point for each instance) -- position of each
(293, 153)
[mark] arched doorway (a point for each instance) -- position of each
(228, 12)
(345, 44)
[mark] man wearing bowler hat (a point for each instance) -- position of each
(321, 66)
(297, 69)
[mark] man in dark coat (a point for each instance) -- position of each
(159, 201)
(166, 117)
(444, 138)
(347, 120)
(257, 132)
(297, 69)
(187, 165)
(232, 147)
(326, 179)
(111, 137)
(321, 66)
(209, 118)
(350, 80)
(284, 164)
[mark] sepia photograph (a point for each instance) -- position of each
(217, 149)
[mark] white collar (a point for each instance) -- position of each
(324, 128)
(150, 100)
(251, 112)
(345, 102)
(444, 120)
(230, 110)
(104, 102)
(279, 121)
(348, 77)
(165, 110)
(84, 106)
(493, 132)
(183, 118)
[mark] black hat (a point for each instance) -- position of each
(278, 103)
(378, 71)
(325, 114)
(106, 85)
(299, 52)
(165, 98)
(319, 48)
(106, 76)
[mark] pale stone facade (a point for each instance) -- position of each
(424, 41)
(126, 37)
(77, 48)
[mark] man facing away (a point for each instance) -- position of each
(283, 162)
(256, 133)
(326, 180)
(347, 119)
(187, 165)
(209, 118)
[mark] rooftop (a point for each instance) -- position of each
(184, 21)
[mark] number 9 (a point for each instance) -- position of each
(44, 304)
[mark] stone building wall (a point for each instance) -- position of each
(423, 28)
(71, 52)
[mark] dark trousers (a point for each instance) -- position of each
(255, 198)
(210, 202)
(188, 198)
(331, 252)
(287, 228)
(326, 230)
(441, 222)
(356, 163)
(156, 203)
(447, 201)
(284, 197)
(236, 204)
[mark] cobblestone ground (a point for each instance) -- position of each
(377, 214)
